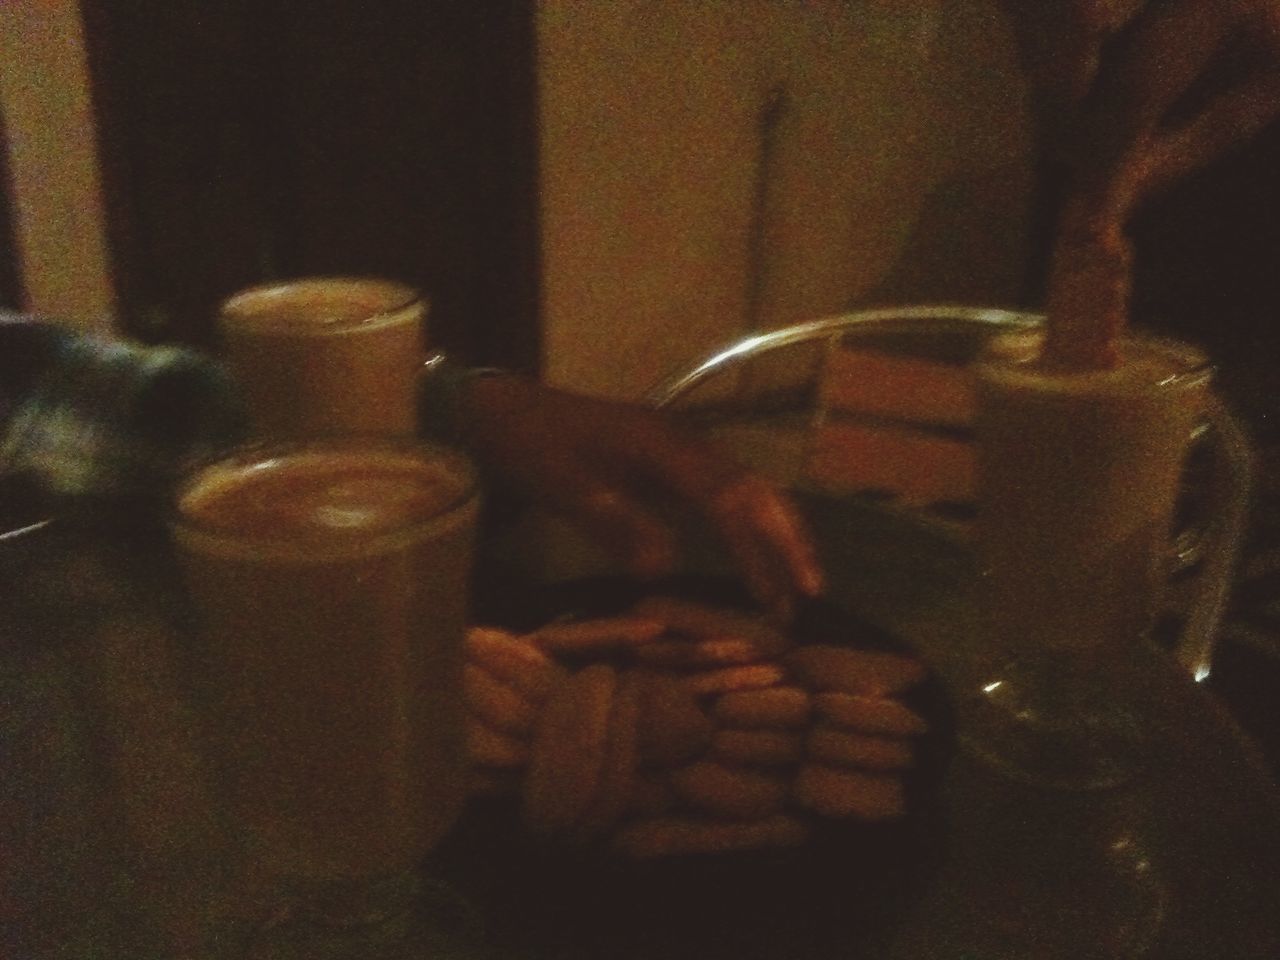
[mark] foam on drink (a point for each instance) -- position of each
(318, 504)
(319, 307)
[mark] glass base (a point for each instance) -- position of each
(1052, 726)
(401, 918)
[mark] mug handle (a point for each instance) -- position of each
(1206, 550)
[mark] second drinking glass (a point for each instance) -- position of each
(326, 356)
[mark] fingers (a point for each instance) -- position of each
(1088, 27)
(1229, 120)
(627, 529)
(761, 530)
(603, 465)
(765, 535)
(1089, 287)
(1149, 68)
(1152, 115)
(1159, 59)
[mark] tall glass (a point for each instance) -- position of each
(330, 581)
(326, 355)
(1079, 475)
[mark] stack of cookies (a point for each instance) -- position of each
(678, 728)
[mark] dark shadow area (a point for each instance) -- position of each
(250, 141)
(11, 290)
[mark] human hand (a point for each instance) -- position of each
(1146, 92)
(1135, 95)
(607, 465)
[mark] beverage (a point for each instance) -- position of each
(1079, 475)
(331, 584)
(327, 356)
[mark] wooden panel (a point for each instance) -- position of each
(173, 88)
(11, 292)
(258, 140)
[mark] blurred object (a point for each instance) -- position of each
(89, 420)
(326, 355)
(835, 441)
(877, 403)
(29, 348)
(59, 216)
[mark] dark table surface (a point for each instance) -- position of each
(112, 847)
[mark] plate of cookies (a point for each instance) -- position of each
(659, 770)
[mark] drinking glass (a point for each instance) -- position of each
(1112, 501)
(1080, 474)
(323, 356)
(329, 582)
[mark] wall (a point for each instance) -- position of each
(57, 209)
(708, 170)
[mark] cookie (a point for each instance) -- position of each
(715, 652)
(728, 679)
(730, 792)
(500, 706)
(618, 772)
(702, 621)
(603, 635)
(874, 715)
(844, 748)
(862, 672)
(489, 747)
(837, 793)
(760, 748)
(782, 708)
(672, 725)
(515, 661)
(568, 750)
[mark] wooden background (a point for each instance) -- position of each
(255, 139)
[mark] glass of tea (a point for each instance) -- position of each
(1081, 486)
(329, 589)
(325, 356)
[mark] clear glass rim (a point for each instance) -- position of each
(1192, 367)
(954, 316)
(180, 523)
(248, 312)
(987, 320)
